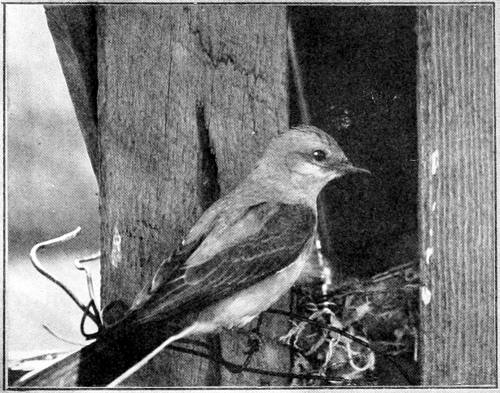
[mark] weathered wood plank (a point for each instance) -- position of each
(73, 30)
(182, 89)
(455, 103)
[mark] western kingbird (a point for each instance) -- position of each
(240, 257)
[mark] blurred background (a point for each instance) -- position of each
(51, 189)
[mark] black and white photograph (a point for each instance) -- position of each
(239, 195)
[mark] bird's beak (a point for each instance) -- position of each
(349, 168)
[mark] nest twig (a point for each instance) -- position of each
(382, 311)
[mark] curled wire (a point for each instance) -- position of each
(94, 315)
(38, 266)
(79, 265)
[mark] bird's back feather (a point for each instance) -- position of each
(284, 232)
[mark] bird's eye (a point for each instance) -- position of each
(319, 155)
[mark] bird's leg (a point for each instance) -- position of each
(254, 342)
(254, 337)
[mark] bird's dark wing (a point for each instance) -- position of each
(285, 231)
(283, 235)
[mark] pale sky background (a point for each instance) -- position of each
(51, 187)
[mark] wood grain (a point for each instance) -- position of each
(181, 88)
(455, 102)
(73, 30)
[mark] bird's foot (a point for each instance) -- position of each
(254, 342)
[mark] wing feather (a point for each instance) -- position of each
(285, 230)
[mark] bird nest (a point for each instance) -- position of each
(374, 320)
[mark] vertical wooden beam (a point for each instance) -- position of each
(188, 98)
(73, 30)
(455, 100)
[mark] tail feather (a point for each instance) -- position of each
(101, 362)
(140, 364)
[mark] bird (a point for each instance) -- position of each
(241, 256)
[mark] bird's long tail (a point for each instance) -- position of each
(137, 366)
(104, 360)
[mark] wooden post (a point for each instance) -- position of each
(455, 101)
(188, 97)
(74, 32)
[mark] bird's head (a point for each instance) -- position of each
(303, 160)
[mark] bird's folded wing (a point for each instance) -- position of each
(276, 235)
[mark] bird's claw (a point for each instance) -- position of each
(253, 346)
(254, 342)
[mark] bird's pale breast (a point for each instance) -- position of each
(242, 307)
